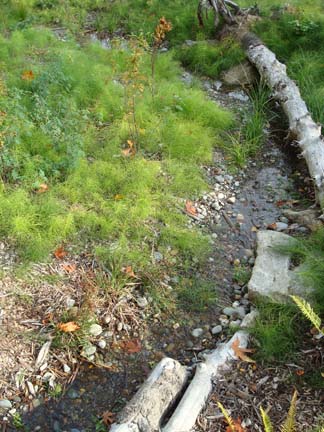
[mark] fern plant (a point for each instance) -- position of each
(309, 313)
(288, 426)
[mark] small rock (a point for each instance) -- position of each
(228, 311)
(158, 256)
(120, 326)
(107, 319)
(220, 179)
(89, 350)
(236, 304)
(231, 200)
(73, 394)
(74, 430)
(102, 344)
(217, 329)
(235, 323)
(95, 330)
(198, 332)
(66, 368)
(221, 196)
(142, 302)
(70, 303)
(240, 218)
(56, 426)
(5, 404)
(281, 226)
(36, 403)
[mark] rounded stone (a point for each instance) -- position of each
(197, 332)
(95, 330)
(5, 404)
(217, 329)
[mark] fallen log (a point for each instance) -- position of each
(146, 410)
(213, 366)
(305, 131)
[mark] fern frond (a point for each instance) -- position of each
(308, 311)
(266, 421)
(228, 418)
(290, 423)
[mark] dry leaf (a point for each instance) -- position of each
(300, 372)
(108, 418)
(128, 270)
(241, 352)
(60, 253)
(236, 426)
(118, 197)
(69, 268)
(27, 75)
(254, 229)
(131, 346)
(190, 208)
(42, 188)
(68, 327)
(272, 226)
(130, 151)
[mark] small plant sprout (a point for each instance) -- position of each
(309, 313)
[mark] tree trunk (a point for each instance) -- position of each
(306, 132)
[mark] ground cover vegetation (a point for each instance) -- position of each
(92, 158)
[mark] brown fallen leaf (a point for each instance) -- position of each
(272, 226)
(42, 188)
(68, 327)
(190, 208)
(60, 253)
(108, 418)
(128, 270)
(69, 268)
(130, 151)
(236, 426)
(131, 346)
(241, 352)
(28, 75)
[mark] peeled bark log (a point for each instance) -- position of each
(306, 132)
(147, 408)
(196, 395)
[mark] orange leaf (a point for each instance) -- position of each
(28, 75)
(300, 372)
(236, 426)
(69, 268)
(68, 327)
(130, 151)
(108, 418)
(42, 188)
(241, 352)
(128, 270)
(131, 346)
(190, 208)
(60, 253)
(272, 226)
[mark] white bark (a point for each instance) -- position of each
(147, 408)
(302, 126)
(195, 397)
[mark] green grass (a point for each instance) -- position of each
(211, 58)
(66, 128)
(278, 331)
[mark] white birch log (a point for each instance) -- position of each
(147, 408)
(196, 395)
(302, 127)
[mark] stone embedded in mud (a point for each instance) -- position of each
(89, 350)
(142, 302)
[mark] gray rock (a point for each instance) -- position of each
(235, 323)
(95, 330)
(271, 276)
(70, 303)
(142, 302)
(228, 311)
(197, 332)
(74, 430)
(239, 95)
(242, 74)
(157, 256)
(220, 179)
(217, 329)
(5, 404)
(281, 226)
(89, 350)
(102, 344)
(73, 394)
(66, 368)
